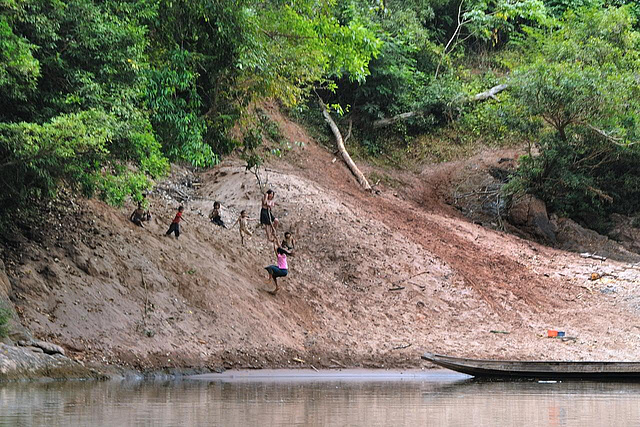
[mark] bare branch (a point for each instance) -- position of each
(611, 138)
(491, 93)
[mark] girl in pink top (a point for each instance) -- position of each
(280, 270)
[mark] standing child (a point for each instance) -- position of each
(243, 220)
(280, 270)
(175, 224)
(267, 218)
(215, 217)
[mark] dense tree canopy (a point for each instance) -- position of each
(583, 85)
(100, 95)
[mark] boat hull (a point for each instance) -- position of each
(541, 370)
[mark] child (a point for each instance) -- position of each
(214, 216)
(175, 224)
(137, 216)
(267, 219)
(280, 270)
(243, 225)
(289, 242)
(147, 206)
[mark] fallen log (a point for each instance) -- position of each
(491, 93)
(362, 180)
(391, 120)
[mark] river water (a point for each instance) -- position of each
(325, 398)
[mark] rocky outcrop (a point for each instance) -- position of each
(530, 214)
(573, 237)
(625, 232)
(20, 363)
(5, 285)
(22, 357)
(43, 346)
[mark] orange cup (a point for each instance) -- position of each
(552, 333)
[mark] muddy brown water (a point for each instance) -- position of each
(325, 398)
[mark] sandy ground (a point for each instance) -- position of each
(377, 278)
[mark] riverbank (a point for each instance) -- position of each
(377, 279)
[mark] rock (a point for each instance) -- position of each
(20, 363)
(20, 335)
(87, 265)
(530, 213)
(49, 348)
(519, 211)
(625, 233)
(5, 285)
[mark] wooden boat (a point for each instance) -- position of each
(539, 370)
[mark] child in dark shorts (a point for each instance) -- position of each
(175, 224)
(279, 270)
(289, 242)
(215, 217)
(267, 218)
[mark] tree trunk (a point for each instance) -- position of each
(491, 93)
(362, 180)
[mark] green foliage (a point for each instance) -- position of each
(582, 82)
(270, 127)
(497, 123)
(71, 112)
(72, 148)
(488, 20)
(19, 70)
(5, 316)
(401, 73)
(252, 142)
(175, 103)
(560, 7)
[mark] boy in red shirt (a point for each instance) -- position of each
(175, 224)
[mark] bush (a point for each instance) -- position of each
(5, 315)
(582, 82)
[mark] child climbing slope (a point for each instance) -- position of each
(243, 221)
(279, 270)
(175, 224)
(267, 219)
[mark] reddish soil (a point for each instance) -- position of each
(377, 278)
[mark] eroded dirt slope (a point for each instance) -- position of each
(377, 279)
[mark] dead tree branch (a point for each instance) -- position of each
(482, 96)
(362, 180)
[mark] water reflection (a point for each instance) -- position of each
(433, 399)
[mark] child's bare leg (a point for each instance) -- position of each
(275, 291)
